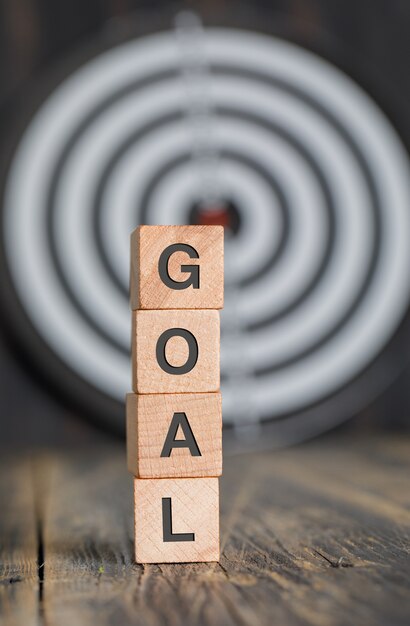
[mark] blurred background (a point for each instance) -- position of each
(285, 121)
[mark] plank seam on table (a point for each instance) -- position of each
(40, 542)
(42, 472)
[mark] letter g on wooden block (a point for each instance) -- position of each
(177, 267)
(174, 435)
(175, 351)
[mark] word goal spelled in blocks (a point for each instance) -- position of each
(174, 416)
(177, 267)
(176, 520)
(174, 435)
(175, 351)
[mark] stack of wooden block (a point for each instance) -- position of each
(174, 416)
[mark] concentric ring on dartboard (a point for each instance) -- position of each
(316, 273)
(143, 216)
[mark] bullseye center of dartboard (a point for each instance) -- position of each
(218, 213)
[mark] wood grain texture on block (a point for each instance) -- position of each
(174, 435)
(175, 351)
(177, 267)
(176, 520)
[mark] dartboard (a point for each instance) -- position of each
(293, 157)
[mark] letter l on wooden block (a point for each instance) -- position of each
(167, 533)
(176, 520)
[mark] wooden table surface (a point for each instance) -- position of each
(317, 534)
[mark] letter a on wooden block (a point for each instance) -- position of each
(176, 520)
(175, 351)
(174, 435)
(177, 267)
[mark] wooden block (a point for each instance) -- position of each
(175, 351)
(177, 267)
(176, 520)
(174, 435)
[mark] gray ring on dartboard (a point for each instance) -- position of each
(375, 205)
(269, 80)
(323, 266)
(177, 160)
(142, 218)
(329, 204)
(272, 183)
(60, 271)
(233, 156)
(331, 216)
(55, 177)
(96, 208)
(97, 205)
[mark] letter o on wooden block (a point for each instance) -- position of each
(177, 370)
(180, 374)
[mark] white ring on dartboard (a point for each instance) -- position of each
(312, 314)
